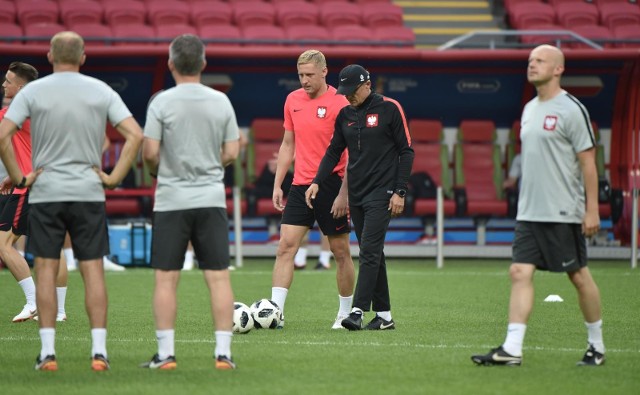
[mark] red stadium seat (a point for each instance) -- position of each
(380, 14)
(297, 13)
(37, 11)
(169, 32)
(10, 30)
(627, 32)
(308, 34)
(81, 12)
(266, 134)
(167, 12)
(41, 33)
(93, 32)
(352, 35)
(220, 35)
(124, 12)
(134, 34)
(395, 35)
(617, 14)
(544, 38)
(572, 14)
(524, 15)
(334, 14)
(263, 35)
(207, 12)
(599, 34)
(253, 13)
(8, 14)
(320, 2)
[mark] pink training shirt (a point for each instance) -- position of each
(312, 122)
(21, 142)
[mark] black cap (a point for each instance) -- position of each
(351, 77)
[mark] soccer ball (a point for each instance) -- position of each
(266, 314)
(242, 319)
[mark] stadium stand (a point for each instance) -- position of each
(220, 35)
(380, 14)
(573, 14)
(169, 32)
(84, 12)
(597, 33)
(307, 34)
(35, 12)
(206, 13)
(41, 33)
(133, 34)
(298, 13)
(525, 15)
(8, 14)
(124, 12)
(352, 34)
(395, 35)
(264, 34)
(627, 32)
(619, 13)
(94, 34)
(11, 33)
(167, 12)
(253, 13)
(340, 14)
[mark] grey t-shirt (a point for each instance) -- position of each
(191, 121)
(551, 187)
(68, 112)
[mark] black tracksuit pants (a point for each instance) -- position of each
(371, 221)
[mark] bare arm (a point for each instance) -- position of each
(151, 155)
(132, 133)
(230, 151)
(285, 158)
(591, 221)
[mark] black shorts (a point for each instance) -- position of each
(556, 247)
(206, 228)
(15, 214)
(86, 223)
(296, 212)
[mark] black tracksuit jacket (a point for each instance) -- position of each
(379, 146)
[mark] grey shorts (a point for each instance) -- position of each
(556, 247)
(206, 228)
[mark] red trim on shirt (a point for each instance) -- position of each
(404, 118)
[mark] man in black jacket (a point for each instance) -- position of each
(374, 130)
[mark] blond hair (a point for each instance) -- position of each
(313, 56)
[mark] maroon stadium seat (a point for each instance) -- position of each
(214, 35)
(543, 38)
(138, 34)
(617, 14)
(297, 13)
(263, 35)
(572, 14)
(37, 11)
(42, 30)
(395, 35)
(207, 12)
(380, 14)
(167, 12)
(524, 15)
(334, 14)
(8, 14)
(81, 12)
(253, 13)
(92, 31)
(352, 35)
(595, 33)
(124, 12)
(169, 32)
(266, 134)
(10, 30)
(627, 32)
(317, 34)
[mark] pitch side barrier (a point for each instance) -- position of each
(449, 85)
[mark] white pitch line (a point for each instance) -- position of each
(242, 340)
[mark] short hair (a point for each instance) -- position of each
(313, 56)
(187, 54)
(24, 71)
(67, 48)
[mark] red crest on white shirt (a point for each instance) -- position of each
(550, 122)
(372, 120)
(321, 112)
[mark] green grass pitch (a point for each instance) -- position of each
(442, 316)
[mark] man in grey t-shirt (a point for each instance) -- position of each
(558, 207)
(68, 113)
(191, 134)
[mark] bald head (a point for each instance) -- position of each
(67, 48)
(553, 54)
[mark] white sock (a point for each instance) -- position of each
(345, 304)
(301, 257)
(515, 338)
(70, 258)
(279, 295)
(166, 343)
(29, 289)
(385, 315)
(594, 335)
(188, 257)
(62, 296)
(357, 310)
(48, 339)
(325, 257)
(223, 343)
(99, 341)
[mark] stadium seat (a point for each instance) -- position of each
(380, 14)
(254, 13)
(131, 34)
(572, 14)
(395, 36)
(352, 34)
(478, 169)
(167, 12)
(213, 35)
(371, 1)
(596, 33)
(81, 12)
(41, 33)
(93, 32)
(10, 30)
(169, 32)
(263, 35)
(37, 11)
(306, 35)
(513, 145)
(296, 13)
(427, 142)
(8, 14)
(334, 14)
(536, 39)
(207, 13)
(627, 32)
(124, 12)
(524, 15)
(619, 13)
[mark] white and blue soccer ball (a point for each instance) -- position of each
(242, 318)
(266, 314)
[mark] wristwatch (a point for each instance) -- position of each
(401, 192)
(23, 183)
